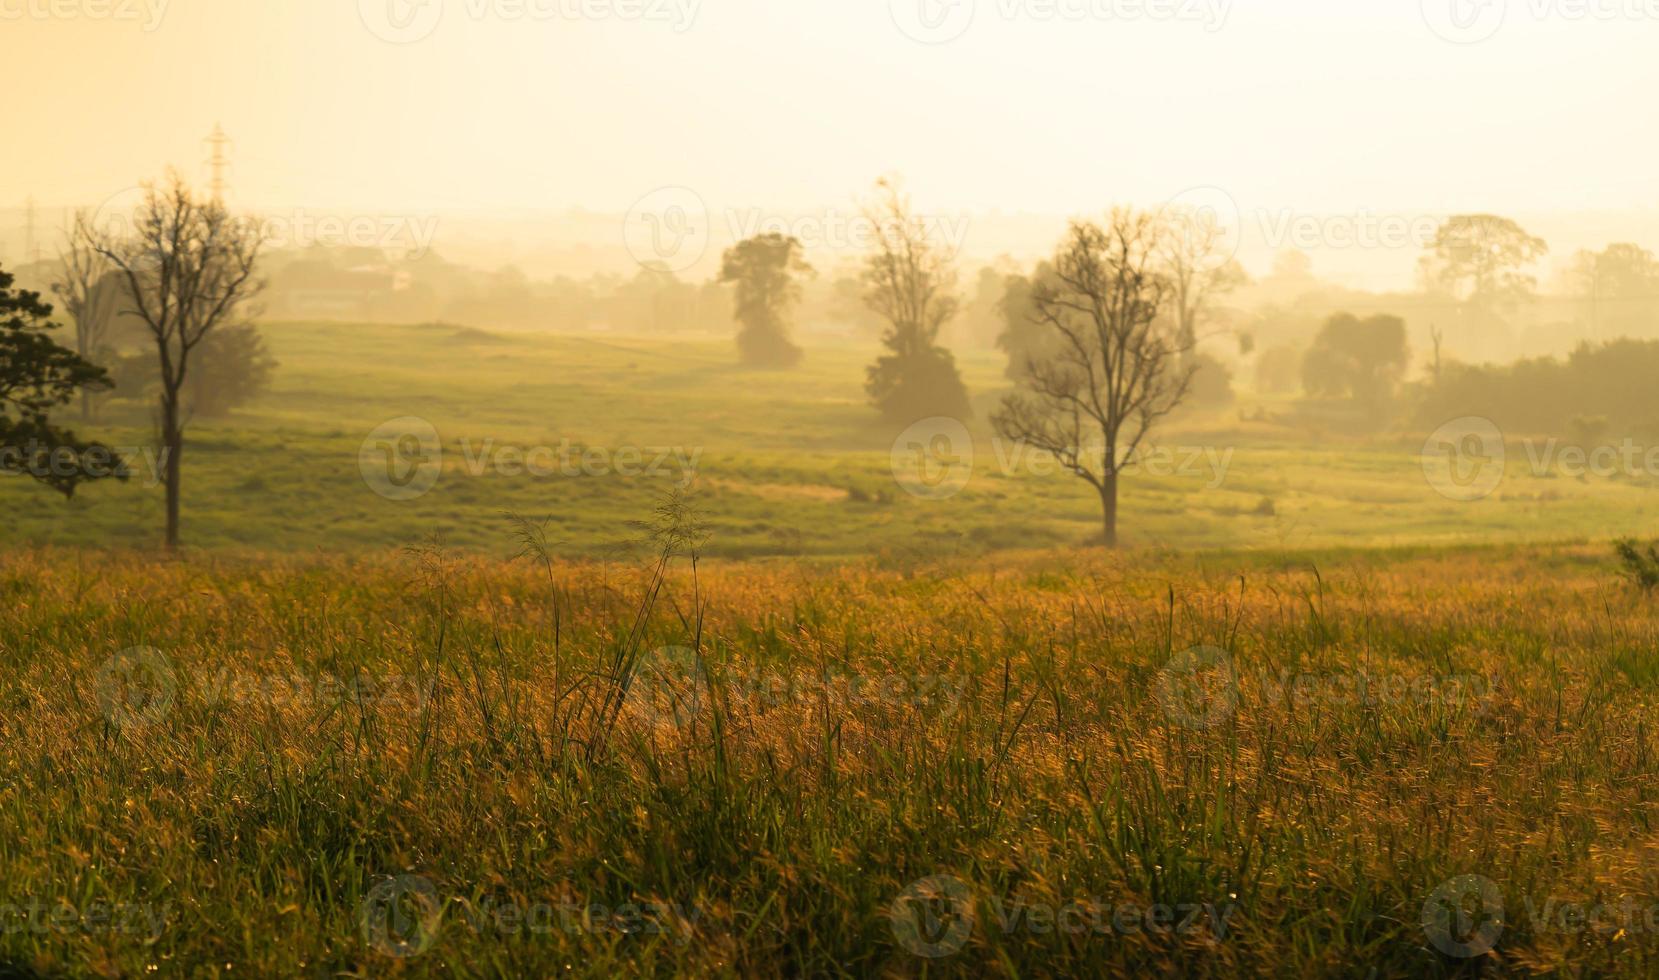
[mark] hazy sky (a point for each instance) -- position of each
(1051, 106)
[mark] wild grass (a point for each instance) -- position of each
(380, 765)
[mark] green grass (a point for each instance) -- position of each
(1257, 742)
(791, 463)
(305, 740)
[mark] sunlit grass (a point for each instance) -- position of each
(515, 739)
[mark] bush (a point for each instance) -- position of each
(1641, 563)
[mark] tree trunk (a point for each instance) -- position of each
(172, 443)
(1109, 508)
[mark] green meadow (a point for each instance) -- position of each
(588, 431)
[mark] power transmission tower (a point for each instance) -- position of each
(218, 162)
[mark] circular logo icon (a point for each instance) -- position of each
(933, 917)
(670, 685)
(667, 229)
(116, 219)
(1463, 460)
(1208, 227)
(401, 21)
(402, 916)
(1198, 688)
(933, 21)
(1465, 21)
(401, 459)
(1464, 916)
(136, 688)
(934, 458)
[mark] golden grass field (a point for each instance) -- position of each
(1043, 763)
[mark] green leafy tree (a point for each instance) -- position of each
(38, 375)
(1025, 337)
(910, 284)
(766, 271)
(1361, 360)
(1482, 260)
(1619, 287)
(236, 367)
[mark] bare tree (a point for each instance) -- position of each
(910, 283)
(1198, 261)
(87, 297)
(1114, 368)
(188, 267)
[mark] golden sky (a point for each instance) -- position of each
(1057, 106)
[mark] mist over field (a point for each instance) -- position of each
(891, 488)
